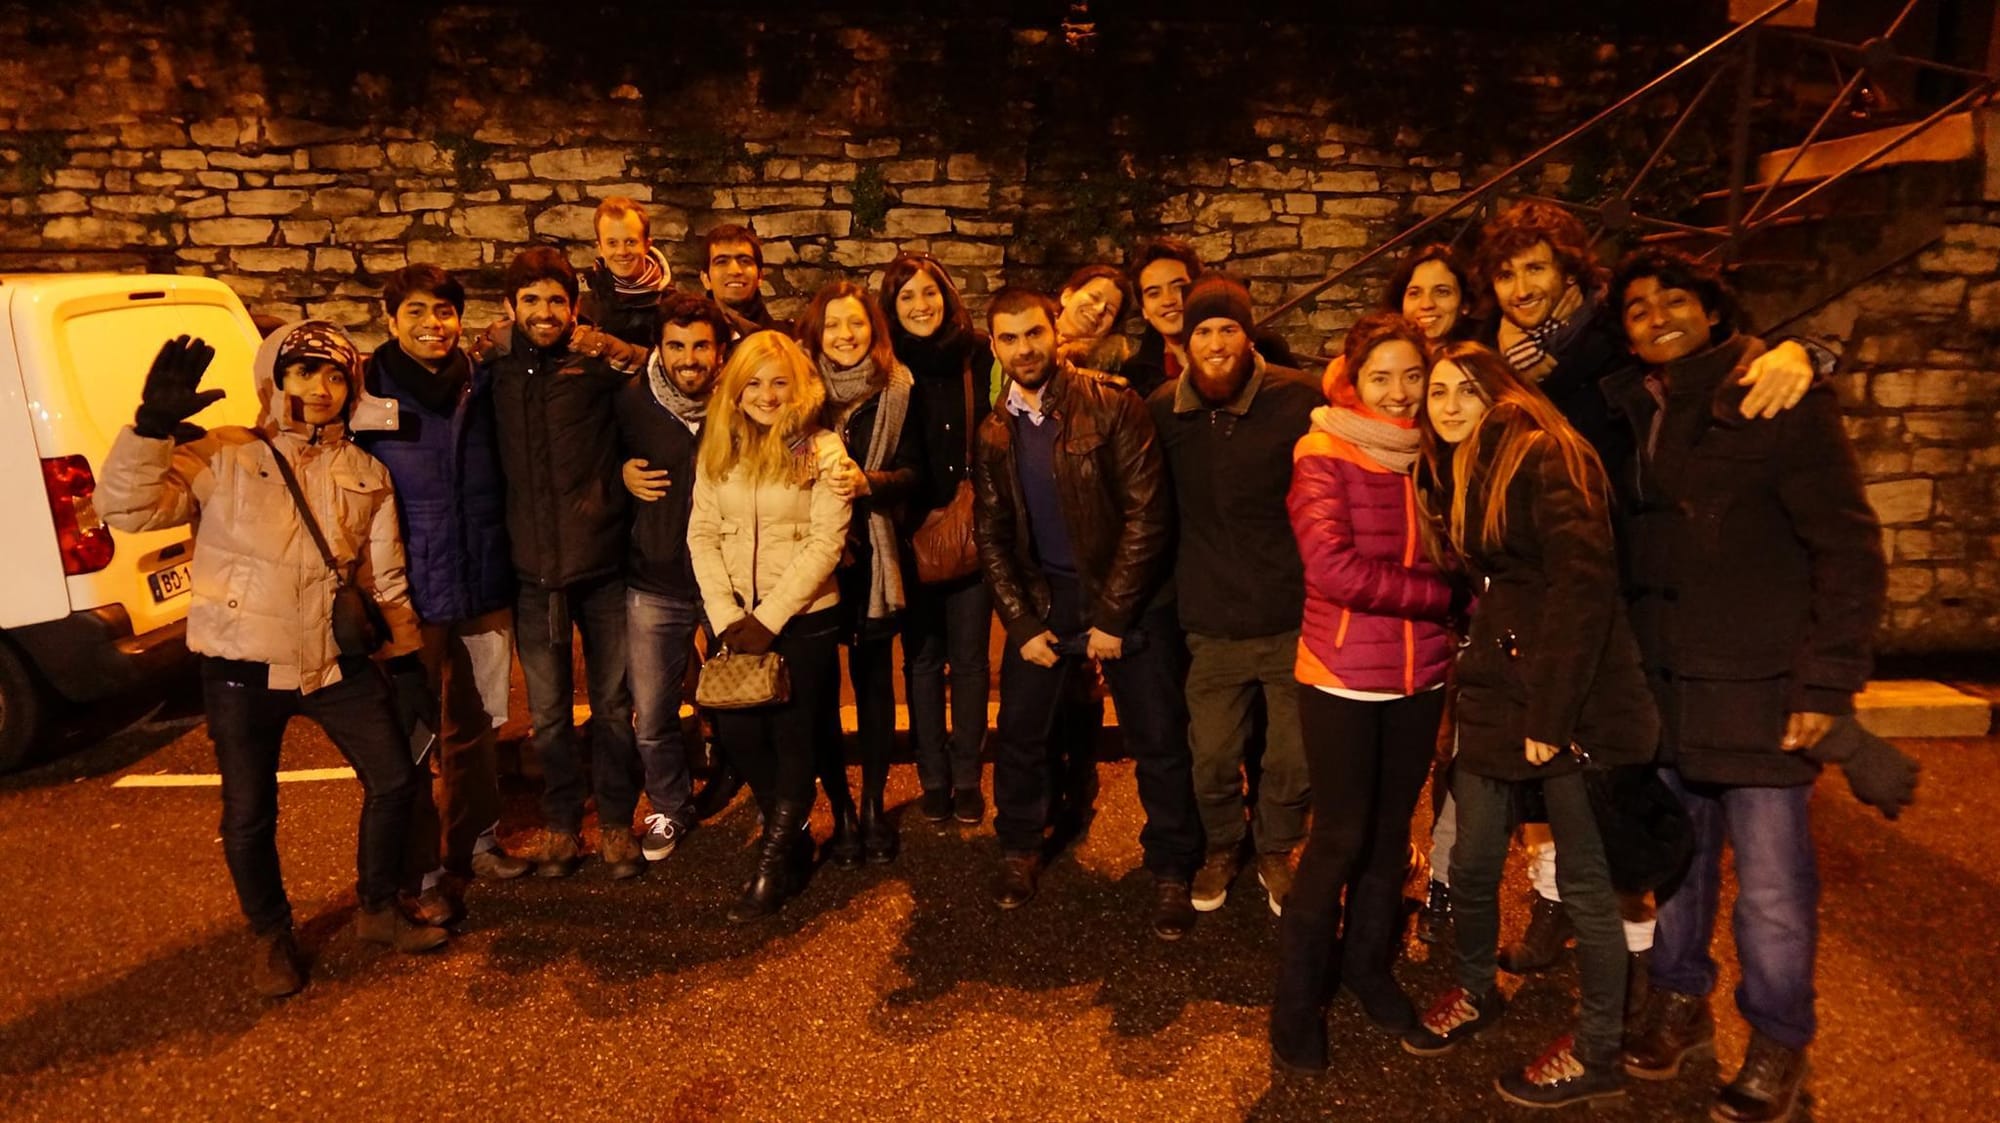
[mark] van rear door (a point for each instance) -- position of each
(84, 345)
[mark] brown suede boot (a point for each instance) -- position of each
(388, 926)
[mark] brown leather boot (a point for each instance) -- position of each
(276, 966)
(388, 926)
(620, 851)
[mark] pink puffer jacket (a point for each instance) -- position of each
(1375, 605)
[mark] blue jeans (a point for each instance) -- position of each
(1777, 905)
(947, 625)
(542, 621)
(660, 644)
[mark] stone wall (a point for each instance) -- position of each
(1921, 392)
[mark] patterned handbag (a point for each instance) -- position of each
(731, 680)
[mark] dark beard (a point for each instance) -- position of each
(1221, 393)
(1048, 372)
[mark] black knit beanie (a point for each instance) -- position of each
(1213, 297)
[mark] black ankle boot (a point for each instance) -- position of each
(843, 847)
(775, 875)
(878, 830)
(716, 795)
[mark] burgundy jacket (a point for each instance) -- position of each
(1376, 606)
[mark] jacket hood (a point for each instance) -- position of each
(276, 411)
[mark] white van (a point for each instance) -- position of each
(86, 611)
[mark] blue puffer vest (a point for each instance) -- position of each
(450, 496)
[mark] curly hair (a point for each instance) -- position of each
(1520, 227)
(1678, 271)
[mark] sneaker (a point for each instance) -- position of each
(1455, 1017)
(1212, 881)
(1015, 882)
(1542, 943)
(1173, 911)
(1672, 1029)
(1274, 873)
(553, 852)
(1558, 1078)
(498, 865)
(1434, 920)
(662, 835)
(935, 806)
(968, 806)
(276, 966)
(620, 851)
(1768, 1086)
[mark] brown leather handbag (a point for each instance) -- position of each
(943, 544)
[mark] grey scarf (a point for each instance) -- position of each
(691, 411)
(846, 391)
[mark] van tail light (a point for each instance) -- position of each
(82, 537)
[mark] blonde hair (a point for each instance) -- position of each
(1524, 417)
(730, 438)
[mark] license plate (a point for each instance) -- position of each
(170, 583)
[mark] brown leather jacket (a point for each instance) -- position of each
(1111, 483)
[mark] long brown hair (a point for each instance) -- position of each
(1518, 417)
(730, 438)
(812, 325)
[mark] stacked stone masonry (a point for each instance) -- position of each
(176, 157)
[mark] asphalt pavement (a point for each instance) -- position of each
(895, 992)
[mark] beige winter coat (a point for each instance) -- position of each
(789, 534)
(261, 591)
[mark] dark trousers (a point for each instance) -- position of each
(542, 623)
(1366, 762)
(775, 746)
(1485, 820)
(870, 664)
(661, 644)
(1152, 718)
(947, 626)
(444, 833)
(1777, 905)
(246, 719)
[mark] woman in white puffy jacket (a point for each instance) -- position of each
(261, 614)
(771, 506)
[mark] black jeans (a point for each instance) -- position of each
(1152, 718)
(542, 622)
(775, 746)
(1486, 814)
(1366, 762)
(246, 719)
(948, 625)
(870, 665)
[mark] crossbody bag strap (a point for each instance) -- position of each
(299, 499)
(969, 438)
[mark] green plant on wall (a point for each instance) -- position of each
(468, 160)
(37, 155)
(871, 199)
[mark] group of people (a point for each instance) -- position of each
(1532, 522)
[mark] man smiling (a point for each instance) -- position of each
(631, 274)
(733, 273)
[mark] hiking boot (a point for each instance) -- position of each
(498, 865)
(1768, 1086)
(277, 968)
(553, 852)
(662, 835)
(1559, 1078)
(1274, 873)
(1213, 879)
(1434, 920)
(1673, 1028)
(620, 851)
(1173, 911)
(1539, 947)
(386, 925)
(935, 806)
(440, 905)
(968, 806)
(1015, 881)
(1456, 1016)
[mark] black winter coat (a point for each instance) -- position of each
(1551, 654)
(633, 317)
(566, 504)
(658, 561)
(1576, 386)
(1111, 484)
(940, 368)
(890, 490)
(1754, 566)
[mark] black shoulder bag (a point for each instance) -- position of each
(359, 628)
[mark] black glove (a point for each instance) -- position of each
(172, 393)
(1880, 774)
(416, 702)
(748, 635)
